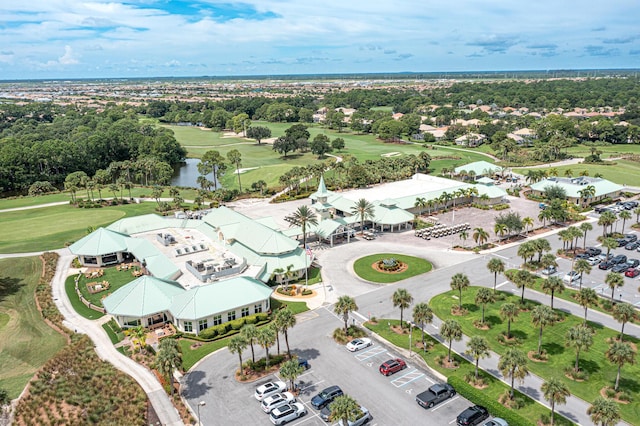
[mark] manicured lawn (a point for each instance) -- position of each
(51, 228)
(363, 269)
(601, 372)
(295, 307)
(114, 336)
(115, 278)
(26, 342)
(620, 171)
(78, 306)
(531, 410)
(607, 151)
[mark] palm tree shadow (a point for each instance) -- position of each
(493, 320)
(553, 348)
(629, 384)
(9, 286)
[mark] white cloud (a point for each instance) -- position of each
(67, 58)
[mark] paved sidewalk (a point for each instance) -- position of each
(162, 405)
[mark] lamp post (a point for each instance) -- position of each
(200, 404)
(410, 334)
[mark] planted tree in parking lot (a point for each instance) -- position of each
(344, 306)
(422, 314)
(582, 267)
(624, 215)
(266, 338)
(284, 321)
(513, 365)
(478, 347)
(495, 266)
(585, 227)
(290, 370)
(401, 299)
(556, 392)
(237, 344)
(609, 243)
(541, 245)
(345, 408)
(450, 330)
(606, 219)
(552, 285)
(168, 359)
(250, 333)
(623, 313)
(614, 280)
(585, 298)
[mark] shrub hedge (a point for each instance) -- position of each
(229, 328)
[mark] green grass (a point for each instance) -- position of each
(115, 278)
(363, 269)
(295, 307)
(601, 372)
(191, 356)
(619, 171)
(607, 151)
(78, 306)
(114, 336)
(26, 342)
(531, 410)
(51, 228)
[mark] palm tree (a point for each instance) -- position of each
(500, 229)
(345, 409)
(422, 315)
(585, 298)
(544, 216)
(285, 319)
(168, 359)
(513, 365)
(623, 313)
(614, 280)
(463, 236)
(236, 345)
(450, 330)
(604, 411)
(527, 222)
(266, 338)
(636, 211)
(250, 333)
(552, 285)
(522, 279)
(542, 316)
(606, 219)
(421, 203)
(290, 370)
(480, 236)
(556, 392)
(624, 215)
(344, 306)
(495, 266)
(548, 260)
(581, 267)
(478, 347)
(509, 311)
(140, 334)
(620, 353)
(484, 296)
(459, 282)
(364, 209)
(235, 158)
(579, 337)
(609, 243)
(401, 299)
(585, 227)
(302, 217)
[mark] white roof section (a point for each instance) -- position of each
(142, 297)
(572, 186)
(418, 184)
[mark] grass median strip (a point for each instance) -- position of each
(415, 266)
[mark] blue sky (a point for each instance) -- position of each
(144, 38)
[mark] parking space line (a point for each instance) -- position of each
(501, 284)
(445, 403)
(308, 372)
(429, 380)
(369, 354)
(313, 384)
(407, 378)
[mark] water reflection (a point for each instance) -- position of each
(187, 174)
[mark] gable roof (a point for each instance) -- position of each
(142, 297)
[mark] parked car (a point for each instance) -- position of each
(621, 242)
(360, 343)
(277, 400)
(606, 265)
(496, 421)
(269, 389)
(362, 419)
(632, 246)
(550, 270)
(620, 267)
(633, 263)
(632, 272)
(582, 256)
(604, 257)
(472, 416)
(303, 363)
(631, 238)
(593, 261)
(392, 366)
(619, 258)
(286, 413)
(571, 277)
(593, 251)
(435, 395)
(325, 397)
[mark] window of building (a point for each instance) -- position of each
(217, 320)
(257, 308)
(202, 324)
(188, 327)
(245, 312)
(231, 315)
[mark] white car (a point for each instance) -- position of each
(269, 389)
(277, 400)
(359, 343)
(496, 421)
(364, 418)
(286, 413)
(593, 261)
(571, 277)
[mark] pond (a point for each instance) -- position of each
(186, 174)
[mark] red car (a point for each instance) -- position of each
(392, 366)
(632, 272)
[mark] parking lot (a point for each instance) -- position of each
(391, 400)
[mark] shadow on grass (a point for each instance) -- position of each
(471, 307)
(9, 286)
(493, 320)
(519, 334)
(627, 384)
(553, 348)
(589, 366)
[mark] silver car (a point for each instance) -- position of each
(364, 418)
(496, 422)
(274, 401)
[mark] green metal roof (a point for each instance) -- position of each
(393, 215)
(572, 186)
(142, 297)
(144, 223)
(479, 168)
(99, 242)
(322, 191)
(218, 297)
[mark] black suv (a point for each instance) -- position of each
(472, 416)
(593, 251)
(325, 397)
(620, 258)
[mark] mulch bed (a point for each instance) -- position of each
(403, 267)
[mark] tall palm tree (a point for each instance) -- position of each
(585, 227)
(421, 203)
(548, 260)
(526, 251)
(344, 306)
(606, 219)
(459, 282)
(285, 319)
(614, 280)
(556, 392)
(290, 370)
(422, 315)
(302, 217)
(585, 298)
(623, 313)
(480, 236)
(579, 337)
(541, 245)
(609, 243)
(620, 353)
(513, 365)
(484, 296)
(495, 266)
(266, 338)
(168, 359)
(345, 409)
(401, 299)
(522, 279)
(250, 333)
(582, 266)
(364, 209)
(604, 412)
(450, 330)
(624, 215)
(500, 229)
(509, 311)
(636, 211)
(237, 344)
(527, 222)
(552, 285)
(478, 347)
(542, 316)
